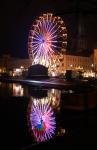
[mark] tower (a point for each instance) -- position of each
(81, 34)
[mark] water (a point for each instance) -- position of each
(44, 118)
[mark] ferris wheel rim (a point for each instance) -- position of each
(54, 43)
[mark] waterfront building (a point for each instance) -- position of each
(86, 64)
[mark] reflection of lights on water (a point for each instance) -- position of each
(53, 98)
(42, 121)
(61, 132)
(68, 91)
(41, 118)
(18, 90)
(37, 101)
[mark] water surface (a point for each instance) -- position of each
(39, 118)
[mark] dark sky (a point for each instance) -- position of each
(17, 16)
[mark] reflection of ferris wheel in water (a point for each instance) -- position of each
(41, 120)
(47, 37)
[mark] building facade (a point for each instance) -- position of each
(68, 62)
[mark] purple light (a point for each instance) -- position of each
(42, 121)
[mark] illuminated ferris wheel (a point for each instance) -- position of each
(47, 37)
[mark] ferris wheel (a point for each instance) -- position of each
(47, 37)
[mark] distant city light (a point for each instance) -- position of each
(89, 74)
(71, 65)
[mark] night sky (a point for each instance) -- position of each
(17, 16)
